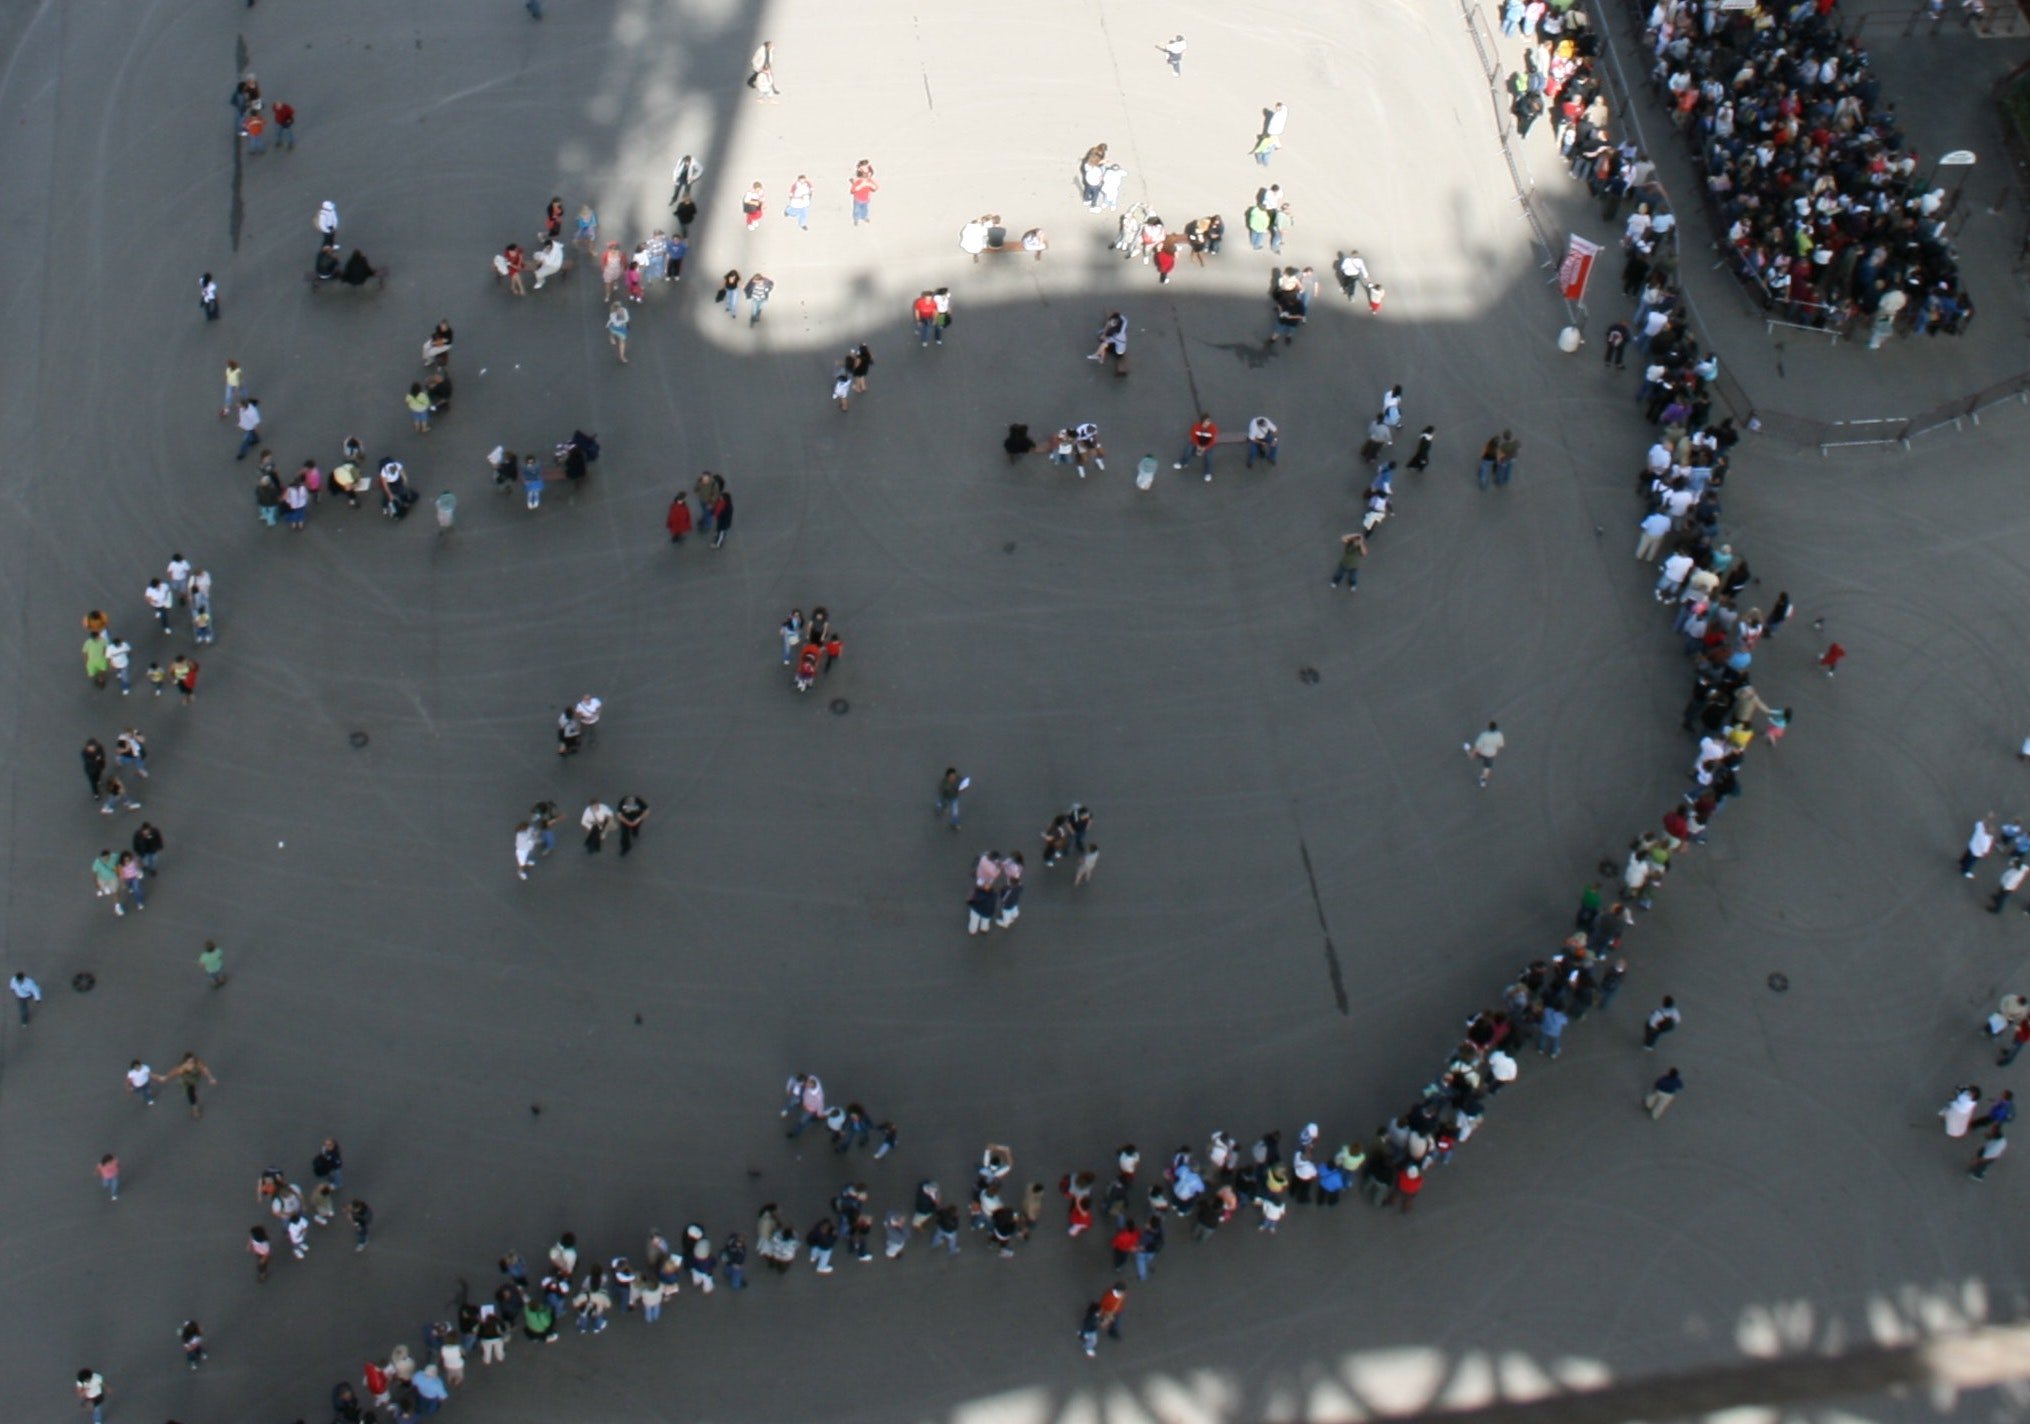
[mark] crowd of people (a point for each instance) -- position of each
(1128, 1212)
(1824, 207)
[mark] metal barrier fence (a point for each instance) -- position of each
(1896, 432)
(1525, 185)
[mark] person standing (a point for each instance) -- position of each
(93, 755)
(1352, 549)
(188, 1072)
(863, 188)
(1203, 436)
(1663, 1093)
(597, 821)
(722, 513)
(678, 520)
(632, 814)
(27, 995)
(950, 787)
(1663, 1019)
(1485, 748)
(1507, 446)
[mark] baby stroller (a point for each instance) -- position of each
(807, 666)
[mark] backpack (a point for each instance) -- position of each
(589, 444)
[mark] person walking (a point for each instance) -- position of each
(259, 1247)
(189, 1071)
(212, 960)
(1663, 1019)
(950, 787)
(1991, 1150)
(208, 297)
(1506, 447)
(863, 188)
(148, 845)
(120, 655)
(1204, 434)
(617, 322)
(1830, 658)
(597, 821)
(98, 658)
(798, 205)
(1485, 748)
(1663, 1092)
(91, 1393)
(2011, 882)
(632, 814)
(1980, 843)
(1958, 1114)
(859, 361)
(141, 1082)
(1173, 50)
(109, 1176)
(758, 289)
(1352, 549)
(27, 995)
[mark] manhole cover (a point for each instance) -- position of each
(1779, 982)
(840, 706)
(84, 981)
(1308, 676)
(358, 740)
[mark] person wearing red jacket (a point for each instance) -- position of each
(678, 520)
(1204, 435)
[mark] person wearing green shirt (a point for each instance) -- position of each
(213, 962)
(1258, 225)
(1352, 549)
(97, 661)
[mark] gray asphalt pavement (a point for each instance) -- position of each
(1273, 844)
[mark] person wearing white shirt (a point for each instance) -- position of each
(1655, 525)
(526, 843)
(587, 710)
(27, 994)
(160, 600)
(1485, 748)
(1263, 440)
(596, 821)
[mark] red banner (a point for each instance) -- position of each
(1577, 267)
